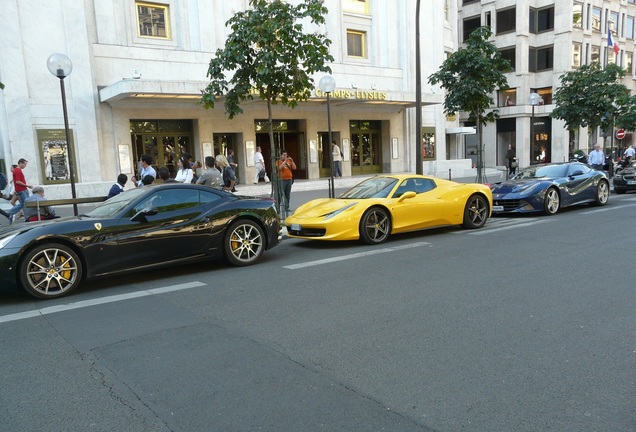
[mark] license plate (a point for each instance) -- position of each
(631, 182)
(497, 208)
(294, 227)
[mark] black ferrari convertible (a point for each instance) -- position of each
(139, 229)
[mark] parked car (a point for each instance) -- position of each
(625, 179)
(390, 204)
(550, 187)
(140, 229)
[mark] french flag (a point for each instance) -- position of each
(611, 43)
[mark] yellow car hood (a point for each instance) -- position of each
(321, 207)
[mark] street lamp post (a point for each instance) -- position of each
(328, 84)
(418, 94)
(534, 99)
(61, 66)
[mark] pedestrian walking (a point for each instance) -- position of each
(511, 155)
(337, 158)
(21, 188)
(259, 166)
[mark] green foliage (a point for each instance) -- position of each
(592, 97)
(270, 55)
(470, 76)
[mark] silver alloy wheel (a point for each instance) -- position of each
(245, 243)
(552, 201)
(602, 193)
(50, 271)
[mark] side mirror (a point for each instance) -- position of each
(141, 215)
(576, 173)
(407, 195)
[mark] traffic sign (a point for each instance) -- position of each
(620, 133)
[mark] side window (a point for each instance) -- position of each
(414, 185)
(206, 197)
(170, 200)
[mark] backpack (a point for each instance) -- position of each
(3, 181)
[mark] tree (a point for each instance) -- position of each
(271, 57)
(470, 76)
(592, 97)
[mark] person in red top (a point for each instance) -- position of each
(21, 188)
(284, 166)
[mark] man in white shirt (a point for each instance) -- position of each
(145, 162)
(337, 158)
(629, 154)
(596, 158)
(259, 165)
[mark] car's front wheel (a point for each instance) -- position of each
(375, 226)
(50, 271)
(475, 212)
(551, 202)
(602, 193)
(244, 243)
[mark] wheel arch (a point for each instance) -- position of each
(57, 240)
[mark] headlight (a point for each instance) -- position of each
(337, 212)
(5, 241)
(527, 188)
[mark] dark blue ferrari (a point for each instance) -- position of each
(549, 187)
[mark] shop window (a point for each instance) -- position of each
(596, 19)
(577, 16)
(153, 20)
(506, 20)
(546, 95)
(356, 43)
(428, 143)
(629, 57)
(470, 25)
(508, 97)
(576, 55)
(357, 6)
(541, 19)
(541, 59)
(509, 54)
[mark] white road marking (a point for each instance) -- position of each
(353, 256)
(604, 209)
(98, 301)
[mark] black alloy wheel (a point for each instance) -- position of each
(476, 212)
(375, 226)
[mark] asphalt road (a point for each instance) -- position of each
(525, 325)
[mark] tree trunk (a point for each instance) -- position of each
(276, 182)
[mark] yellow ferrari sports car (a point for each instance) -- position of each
(391, 204)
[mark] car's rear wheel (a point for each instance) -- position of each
(475, 212)
(602, 193)
(244, 243)
(551, 202)
(375, 226)
(50, 271)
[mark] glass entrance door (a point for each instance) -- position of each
(366, 151)
(164, 140)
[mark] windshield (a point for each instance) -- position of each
(111, 207)
(542, 171)
(376, 187)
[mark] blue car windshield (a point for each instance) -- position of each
(375, 187)
(542, 171)
(111, 207)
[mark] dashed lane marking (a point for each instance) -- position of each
(354, 256)
(97, 301)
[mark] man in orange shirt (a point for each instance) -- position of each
(284, 166)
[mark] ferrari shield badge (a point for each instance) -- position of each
(98, 226)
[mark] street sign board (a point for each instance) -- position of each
(620, 133)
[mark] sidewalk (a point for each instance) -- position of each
(265, 189)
